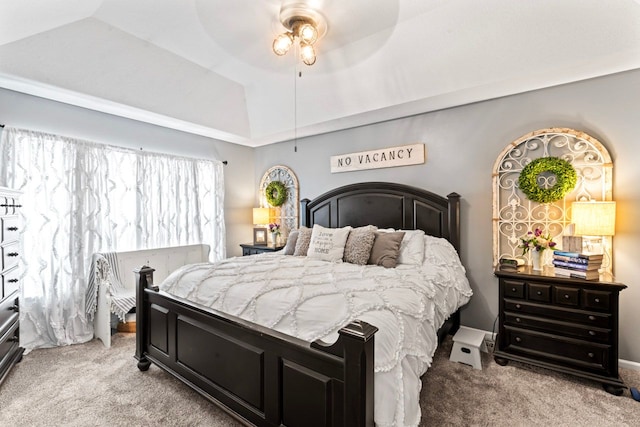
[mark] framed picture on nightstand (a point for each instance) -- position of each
(259, 236)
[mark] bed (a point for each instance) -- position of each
(264, 376)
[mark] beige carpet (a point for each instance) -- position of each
(88, 385)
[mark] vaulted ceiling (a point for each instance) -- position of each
(206, 66)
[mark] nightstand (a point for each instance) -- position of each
(560, 323)
(251, 249)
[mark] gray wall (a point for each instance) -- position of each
(30, 112)
(462, 145)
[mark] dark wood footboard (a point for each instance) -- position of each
(258, 375)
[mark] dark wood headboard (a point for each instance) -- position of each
(386, 205)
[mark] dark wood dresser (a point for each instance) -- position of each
(560, 323)
(10, 350)
(250, 249)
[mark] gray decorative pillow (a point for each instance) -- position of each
(359, 243)
(386, 249)
(290, 247)
(302, 243)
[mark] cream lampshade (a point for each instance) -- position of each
(261, 215)
(594, 218)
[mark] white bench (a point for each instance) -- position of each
(163, 260)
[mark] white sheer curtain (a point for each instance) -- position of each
(80, 198)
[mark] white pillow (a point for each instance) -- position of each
(328, 243)
(411, 248)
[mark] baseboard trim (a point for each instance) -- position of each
(626, 364)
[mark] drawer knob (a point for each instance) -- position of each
(518, 339)
(12, 254)
(14, 308)
(591, 317)
(12, 228)
(518, 319)
(513, 289)
(591, 355)
(597, 300)
(592, 333)
(12, 280)
(539, 292)
(518, 306)
(566, 296)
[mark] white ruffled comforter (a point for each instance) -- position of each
(312, 299)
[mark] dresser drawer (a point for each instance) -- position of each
(597, 300)
(10, 283)
(8, 342)
(513, 289)
(10, 228)
(558, 327)
(8, 314)
(10, 255)
(566, 296)
(539, 292)
(587, 318)
(574, 353)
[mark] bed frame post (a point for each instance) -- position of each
(144, 280)
(304, 212)
(358, 338)
(454, 220)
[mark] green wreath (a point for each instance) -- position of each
(566, 178)
(276, 193)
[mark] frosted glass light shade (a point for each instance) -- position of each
(307, 54)
(261, 215)
(308, 33)
(594, 218)
(282, 44)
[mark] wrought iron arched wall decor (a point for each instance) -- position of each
(514, 214)
(287, 213)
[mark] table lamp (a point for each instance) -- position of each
(592, 220)
(261, 216)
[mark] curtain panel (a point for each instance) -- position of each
(82, 197)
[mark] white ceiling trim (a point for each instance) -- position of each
(77, 99)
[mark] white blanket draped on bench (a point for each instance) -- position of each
(105, 272)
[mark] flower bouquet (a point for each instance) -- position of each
(274, 228)
(536, 242)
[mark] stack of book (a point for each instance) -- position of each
(575, 264)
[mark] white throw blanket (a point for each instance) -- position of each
(312, 299)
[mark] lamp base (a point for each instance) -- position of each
(572, 243)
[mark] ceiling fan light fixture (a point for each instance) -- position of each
(304, 26)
